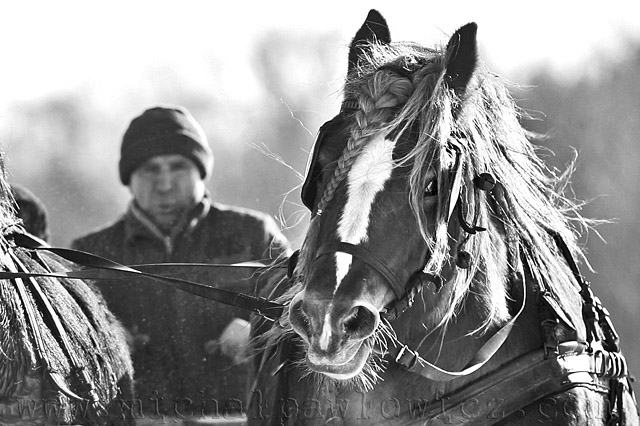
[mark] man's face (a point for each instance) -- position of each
(166, 186)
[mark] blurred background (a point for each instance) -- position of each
(261, 78)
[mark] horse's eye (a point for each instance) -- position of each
(432, 188)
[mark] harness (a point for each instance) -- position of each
(596, 364)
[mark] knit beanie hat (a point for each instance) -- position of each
(164, 130)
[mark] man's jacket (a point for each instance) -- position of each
(177, 370)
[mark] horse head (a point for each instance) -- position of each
(401, 185)
(383, 182)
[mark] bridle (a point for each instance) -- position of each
(599, 358)
(405, 291)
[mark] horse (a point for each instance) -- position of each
(438, 281)
(64, 357)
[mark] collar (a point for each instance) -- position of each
(139, 225)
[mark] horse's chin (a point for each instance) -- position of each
(345, 371)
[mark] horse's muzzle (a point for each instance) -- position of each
(335, 332)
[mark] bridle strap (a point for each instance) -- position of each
(415, 284)
(367, 257)
(414, 363)
(456, 182)
(405, 292)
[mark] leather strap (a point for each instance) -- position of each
(367, 257)
(414, 363)
(455, 176)
(527, 379)
(259, 305)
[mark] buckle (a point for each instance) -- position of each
(406, 363)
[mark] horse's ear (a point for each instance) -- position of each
(374, 29)
(462, 57)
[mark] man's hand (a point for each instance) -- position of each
(232, 342)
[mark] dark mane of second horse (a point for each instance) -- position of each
(38, 367)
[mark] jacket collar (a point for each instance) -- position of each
(139, 225)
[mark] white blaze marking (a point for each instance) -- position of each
(325, 337)
(368, 175)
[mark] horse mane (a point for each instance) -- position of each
(78, 308)
(399, 88)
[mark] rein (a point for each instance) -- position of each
(267, 309)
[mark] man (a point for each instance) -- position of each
(165, 160)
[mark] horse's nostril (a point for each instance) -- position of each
(361, 323)
(299, 319)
